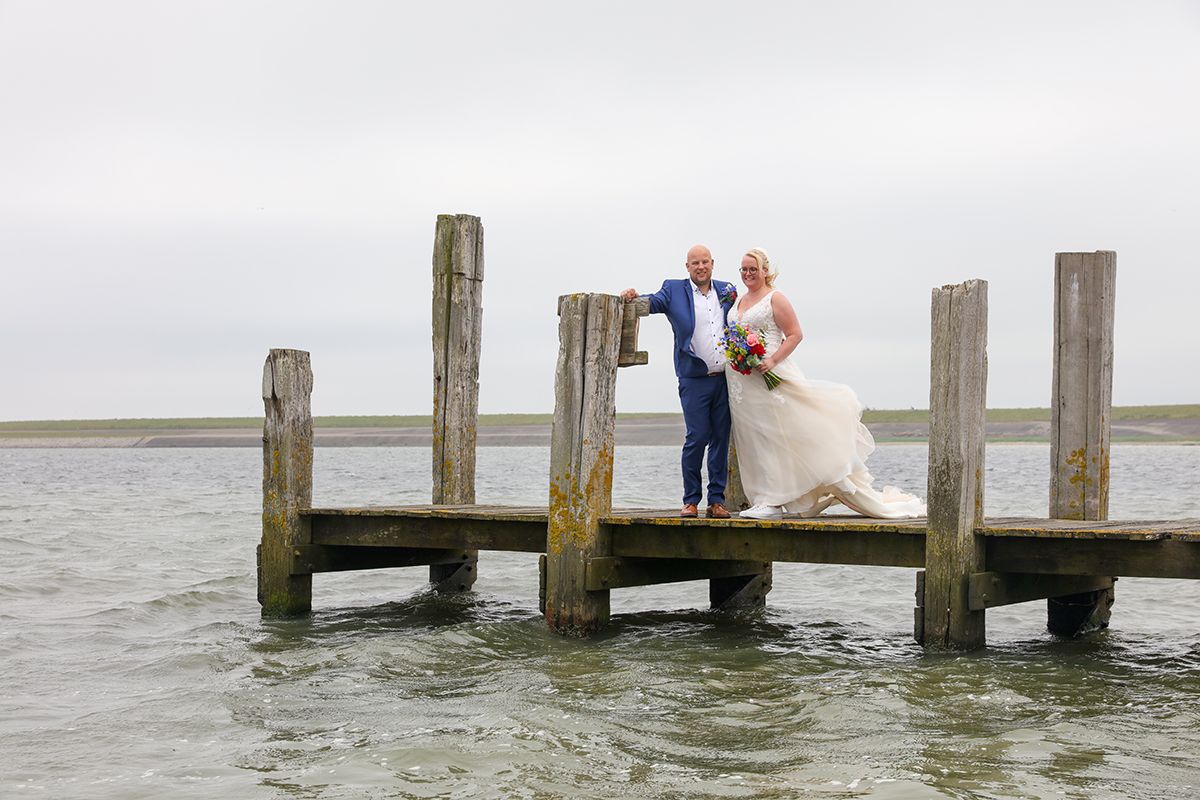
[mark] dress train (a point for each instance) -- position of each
(803, 445)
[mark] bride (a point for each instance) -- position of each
(802, 446)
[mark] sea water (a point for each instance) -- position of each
(134, 664)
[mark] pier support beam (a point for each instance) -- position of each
(1080, 416)
(741, 592)
(581, 459)
(457, 323)
(957, 397)
(287, 482)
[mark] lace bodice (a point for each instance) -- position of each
(760, 317)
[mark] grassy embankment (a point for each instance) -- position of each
(1119, 413)
(84, 428)
(148, 427)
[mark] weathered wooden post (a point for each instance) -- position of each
(287, 482)
(631, 321)
(957, 398)
(457, 322)
(735, 495)
(581, 459)
(742, 591)
(1080, 415)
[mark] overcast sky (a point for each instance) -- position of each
(186, 185)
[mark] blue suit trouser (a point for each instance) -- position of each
(705, 404)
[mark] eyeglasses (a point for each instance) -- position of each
(749, 270)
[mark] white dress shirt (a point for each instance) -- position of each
(709, 332)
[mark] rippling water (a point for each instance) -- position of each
(134, 663)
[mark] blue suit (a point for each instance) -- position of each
(704, 397)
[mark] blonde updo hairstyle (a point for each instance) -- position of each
(764, 264)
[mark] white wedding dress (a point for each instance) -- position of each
(803, 445)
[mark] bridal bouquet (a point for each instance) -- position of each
(745, 350)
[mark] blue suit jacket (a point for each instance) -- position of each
(675, 300)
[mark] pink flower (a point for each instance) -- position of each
(751, 339)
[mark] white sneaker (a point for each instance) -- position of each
(762, 512)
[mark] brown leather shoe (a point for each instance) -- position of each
(689, 510)
(717, 511)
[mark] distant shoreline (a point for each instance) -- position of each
(1130, 424)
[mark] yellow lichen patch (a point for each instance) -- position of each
(575, 510)
(275, 520)
(559, 520)
(1080, 479)
(1078, 460)
(597, 496)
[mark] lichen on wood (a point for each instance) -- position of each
(287, 481)
(957, 392)
(457, 336)
(581, 458)
(1081, 410)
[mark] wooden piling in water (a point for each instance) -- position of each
(970, 564)
(957, 396)
(740, 591)
(1080, 416)
(457, 326)
(581, 459)
(735, 493)
(287, 482)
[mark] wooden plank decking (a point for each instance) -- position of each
(965, 564)
(1160, 549)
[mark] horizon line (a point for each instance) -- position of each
(1172, 410)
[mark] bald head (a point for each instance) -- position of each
(699, 266)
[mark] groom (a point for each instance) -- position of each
(697, 307)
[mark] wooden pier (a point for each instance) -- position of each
(966, 563)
